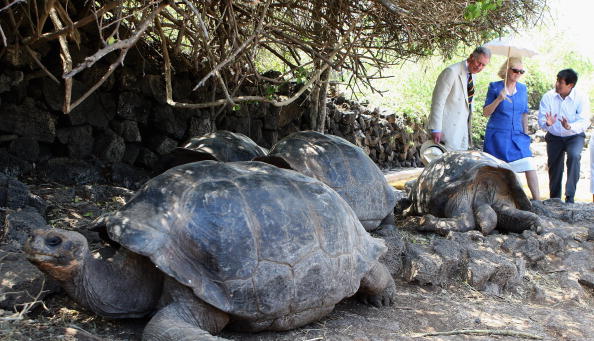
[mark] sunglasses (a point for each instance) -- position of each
(521, 72)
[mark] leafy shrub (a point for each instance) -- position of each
(538, 83)
(479, 124)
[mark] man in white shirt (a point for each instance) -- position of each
(451, 102)
(564, 114)
(591, 148)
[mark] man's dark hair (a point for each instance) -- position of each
(568, 75)
(481, 50)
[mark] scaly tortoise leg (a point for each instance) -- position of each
(461, 223)
(511, 219)
(486, 218)
(185, 318)
(377, 287)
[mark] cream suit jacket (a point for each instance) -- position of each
(449, 107)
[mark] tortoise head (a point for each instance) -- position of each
(59, 253)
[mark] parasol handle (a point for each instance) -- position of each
(506, 71)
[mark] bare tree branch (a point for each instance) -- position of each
(119, 45)
(226, 44)
(66, 58)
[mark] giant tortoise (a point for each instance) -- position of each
(344, 167)
(221, 145)
(464, 190)
(210, 244)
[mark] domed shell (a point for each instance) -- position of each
(226, 146)
(221, 145)
(344, 167)
(249, 238)
(455, 171)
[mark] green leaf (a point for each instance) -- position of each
(236, 107)
(88, 214)
(271, 90)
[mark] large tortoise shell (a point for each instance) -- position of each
(457, 171)
(344, 167)
(251, 239)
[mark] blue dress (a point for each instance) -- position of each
(504, 137)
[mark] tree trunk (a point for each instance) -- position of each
(323, 94)
(315, 104)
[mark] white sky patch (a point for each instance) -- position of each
(573, 19)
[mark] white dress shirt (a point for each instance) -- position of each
(575, 107)
(591, 146)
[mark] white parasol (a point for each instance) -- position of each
(511, 47)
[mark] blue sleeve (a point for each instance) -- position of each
(492, 94)
(525, 99)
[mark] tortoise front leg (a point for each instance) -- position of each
(486, 218)
(186, 318)
(174, 323)
(377, 287)
(460, 223)
(388, 223)
(511, 219)
(458, 216)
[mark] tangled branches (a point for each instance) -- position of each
(228, 44)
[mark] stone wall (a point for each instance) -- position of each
(126, 121)
(390, 139)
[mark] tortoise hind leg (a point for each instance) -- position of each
(511, 219)
(185, 318)
(377, 287)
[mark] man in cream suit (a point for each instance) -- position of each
(451, 104)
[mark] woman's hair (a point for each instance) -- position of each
(514, 62)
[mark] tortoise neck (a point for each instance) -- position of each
(126, 285)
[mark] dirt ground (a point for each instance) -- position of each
(419, 311)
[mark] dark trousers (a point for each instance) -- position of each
(557, 147)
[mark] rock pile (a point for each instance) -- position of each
(390, 139)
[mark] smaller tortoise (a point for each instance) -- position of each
(464, 190)
(210, 244)
(344, 167)
(221, 145)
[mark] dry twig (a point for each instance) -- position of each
(224, 41)
(502, 332)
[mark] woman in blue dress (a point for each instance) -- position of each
(505, 137)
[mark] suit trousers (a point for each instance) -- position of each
(557, 147)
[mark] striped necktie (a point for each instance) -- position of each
(470, 87)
